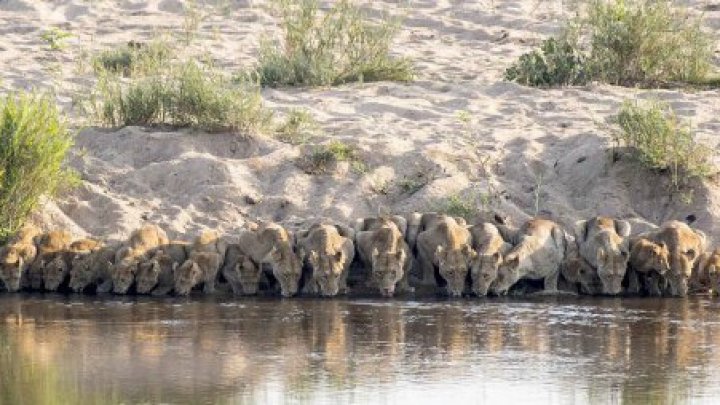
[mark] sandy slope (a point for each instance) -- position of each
(516, 138)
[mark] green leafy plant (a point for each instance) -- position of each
(337, 46)
(34, 140)
(558, 62)
(662, 142)
(55, 37)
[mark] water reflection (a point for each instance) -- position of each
(566, 350)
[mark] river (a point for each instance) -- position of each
(56, 349)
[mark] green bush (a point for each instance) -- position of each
(34, 140)
(623, 42)
(188, 95)
(557, 62)
(133, 58)
(338, 46)
(661, 142)
(645, 41)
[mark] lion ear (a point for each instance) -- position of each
(622, 228)
(513, 261)
(339, 256)
(702, 239)
(581, 230)
(496, 257)
(400, 254)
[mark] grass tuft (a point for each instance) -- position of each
(133, 59)
(323, 158)
(340, 45)
(662, 142)
(299, 126)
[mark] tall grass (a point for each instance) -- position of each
(336, 46)
(133, 58)
(623, 42)
(662, 142)
(185, 95)
(34, 140)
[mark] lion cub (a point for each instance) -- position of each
(648, 260)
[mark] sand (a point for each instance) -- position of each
(523, 151)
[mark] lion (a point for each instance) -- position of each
(646, 257)
(381, 245)
(271, 243)
(147, 237)
(446, 245)
(329, 255)
(123, 271)
(576, 274)
(491, 248)
(139, 247)
(49, 245)
(538, 255)
(685, 246)
(209, 241)
(178, 250)
(57, 270)
(240, 271)
(706, 273)
(413, 221)
(370, 223)
(17, 257)
(603, 242)
(200, 267)
(156, 275)
(93, 268)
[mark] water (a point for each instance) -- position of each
(60, 350)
